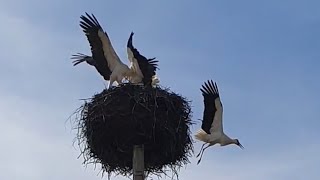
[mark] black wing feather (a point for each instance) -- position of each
(210, 93)
(91, 27)
(148, 67)
(79, 58)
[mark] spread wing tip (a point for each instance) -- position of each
(129, 43)
(209, 88)
(89, 21)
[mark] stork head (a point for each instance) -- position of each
(236, 142)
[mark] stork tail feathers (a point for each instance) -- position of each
(201, 135)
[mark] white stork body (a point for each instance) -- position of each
(119, 73)
(211, 131)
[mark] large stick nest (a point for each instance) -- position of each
(118, 118)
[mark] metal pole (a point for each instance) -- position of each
(138, 162)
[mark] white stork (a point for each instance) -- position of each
(211, 131)
(143, 67)
(104, 58)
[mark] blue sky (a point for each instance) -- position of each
(264, 56)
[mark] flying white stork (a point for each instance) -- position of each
(104, 58)
(211, 131)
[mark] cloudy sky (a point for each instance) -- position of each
(264, 56)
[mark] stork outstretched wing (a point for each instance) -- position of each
(212, 115)
(103, 53)
(145, 68)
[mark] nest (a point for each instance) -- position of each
(118, 118)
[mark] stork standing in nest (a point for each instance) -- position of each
(145, 69)
(211, 131)
(106, 61)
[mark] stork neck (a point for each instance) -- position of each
(226, 140)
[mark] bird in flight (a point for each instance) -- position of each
(211, 131)
(106, 61)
